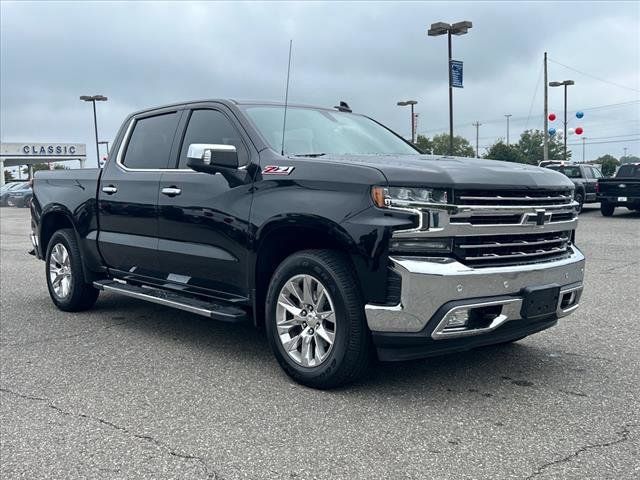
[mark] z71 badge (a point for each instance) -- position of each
(277, 170)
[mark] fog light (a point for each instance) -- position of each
(457, 318)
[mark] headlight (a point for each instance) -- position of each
(385, 197)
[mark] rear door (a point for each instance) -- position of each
(128, 194)
(203, 229)
(590, 182)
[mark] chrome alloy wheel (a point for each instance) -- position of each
(306, 320)
(60, 270)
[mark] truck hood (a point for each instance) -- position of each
(472, 173)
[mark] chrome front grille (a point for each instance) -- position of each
(500, 228)
(495, 250)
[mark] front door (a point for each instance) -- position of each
(128, 195)
(203, 220)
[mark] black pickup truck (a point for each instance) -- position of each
(338, 238)
(623, 190)
(584, 177)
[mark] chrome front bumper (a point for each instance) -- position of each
(430, 283)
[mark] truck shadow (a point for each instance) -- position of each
(485, 372)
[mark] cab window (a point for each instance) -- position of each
(211, 126)
(150, 144)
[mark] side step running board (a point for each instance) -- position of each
(155, 295)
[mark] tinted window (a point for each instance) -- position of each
(629, 171)
(571, 172)
(150, 142)
(211, 126)
(588, 172)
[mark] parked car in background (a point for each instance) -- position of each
(584, 177)
(623, 190)
(7, 189)
(20, 196)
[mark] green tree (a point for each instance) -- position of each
(609, 164)
(8, 176)
(629, 159)
(504, 152)
(424, 144)
(531, 147)
(461, 146)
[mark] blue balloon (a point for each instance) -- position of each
(579, 114)
(552, 131)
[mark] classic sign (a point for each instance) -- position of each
(74, 150)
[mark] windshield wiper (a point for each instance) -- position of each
(313, 155)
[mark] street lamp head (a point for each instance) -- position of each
(93, 98)
(407, 102)
(438, 28)
(560, 84)
(461, 28)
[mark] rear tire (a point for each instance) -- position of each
(65, 276)
(331, 278)
(607, 209)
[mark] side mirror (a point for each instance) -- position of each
(211, 158)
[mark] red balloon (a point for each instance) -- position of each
(552, 116)
(579, 130)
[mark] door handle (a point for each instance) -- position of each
(171, 191)
(109, 189)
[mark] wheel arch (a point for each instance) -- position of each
(283, 237)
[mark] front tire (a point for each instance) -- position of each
(65, 279)
(606, 209)
(315, 320)
(580, 199)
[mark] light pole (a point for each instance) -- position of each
(477, 125)
(508, 115)
(93, 99)
(583, 144)
(413, 118)
(564, 84)
(440, 28)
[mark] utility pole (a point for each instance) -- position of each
(625, 152)
(583, 144)
(545, 149)
(508, 115)
(477, 125)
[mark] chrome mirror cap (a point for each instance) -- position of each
(204, 151)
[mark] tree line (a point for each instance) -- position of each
(529, 149)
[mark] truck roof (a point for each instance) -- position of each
(232, 102)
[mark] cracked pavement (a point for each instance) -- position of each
(135, 390)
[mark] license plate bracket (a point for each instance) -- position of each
(538, 302)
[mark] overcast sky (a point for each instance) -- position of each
(369, 54)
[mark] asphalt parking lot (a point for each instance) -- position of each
(134, 390)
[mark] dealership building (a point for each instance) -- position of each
(27, 154)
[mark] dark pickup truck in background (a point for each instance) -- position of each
(343, 243)
(623, 190)
(584, 177)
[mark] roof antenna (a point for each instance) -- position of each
(286, 99)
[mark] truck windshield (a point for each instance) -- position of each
(629, 171)
(316, 132)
